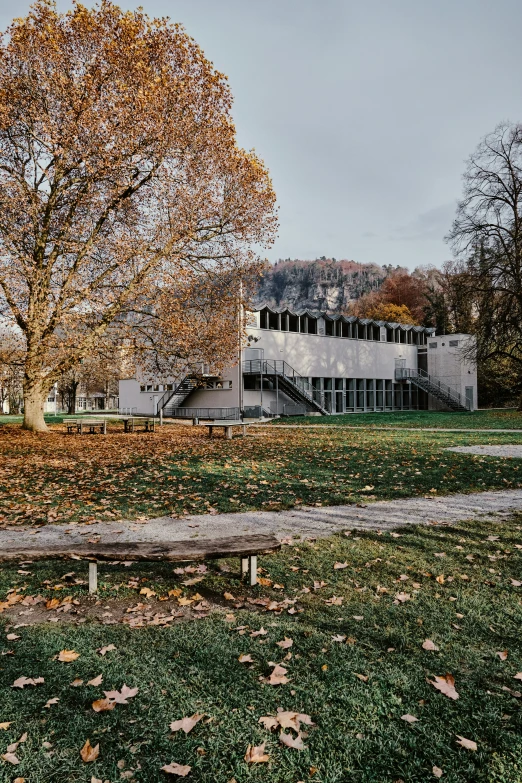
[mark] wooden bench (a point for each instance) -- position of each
(226, 425)
(86, 425)
(245, 547)
(132, 424)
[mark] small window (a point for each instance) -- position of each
(142, 387)
(169, 387)
(433, 345)
(453, 343)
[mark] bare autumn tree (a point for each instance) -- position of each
(487, 236)
(119, 169)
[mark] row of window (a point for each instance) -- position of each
(305, 324)
(205, 384)
(346, 395)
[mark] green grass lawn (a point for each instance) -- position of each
(178, 470)
(455, 587)
(494, 419)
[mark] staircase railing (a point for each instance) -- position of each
(170, 393)
(283, 369)
(433, 384)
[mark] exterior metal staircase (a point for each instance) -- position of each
(428, 383)
(173, 398)
(293, 385)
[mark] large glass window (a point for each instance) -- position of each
(379, 398)
(350, 387)
(370, 394)
(359, 397)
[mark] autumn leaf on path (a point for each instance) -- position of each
(277, 677)
(409, 718)
(186, 724)
(66, 656)
(22, 681)
(445, 685)
(286, 643)
(466, 743)
(289, 741)
(243, 658)
(256, 755)
(89, 753)
(120, 697)
(429, 645)
(181, 770)
(108, 648)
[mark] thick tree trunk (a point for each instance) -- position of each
(520, 403)
(34, 401)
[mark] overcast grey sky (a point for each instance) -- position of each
(364, 111)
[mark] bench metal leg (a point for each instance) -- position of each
(253, 569)
(244, 430)
(210, 432)
(93, 577)
(244, 566)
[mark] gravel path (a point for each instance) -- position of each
(490, 451)
(307, 521)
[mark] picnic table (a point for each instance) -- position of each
(245, 547)
(225, 424)
(82, 425)
(133, 423)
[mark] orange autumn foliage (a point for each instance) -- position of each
(121, 184)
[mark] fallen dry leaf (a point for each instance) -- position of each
(518, 676)
(261, 632)
(181, 770)
(120, 697)
(186, 724)
(55, 700)
(12, 637)
(409, 718)
(256, 755)
(76, 683)
(291, 742)
(66, 656)
(5, 726)
(429, 645)
(11, 758)
(96, 681)
(146, 591)
(108, 648)
(245, 658)
(440, 579)
(502, 655)
(103, 705)
(362, 677)
(338, 566)
(89, 753)
(277, 676)
(445, 685)
(286, 643)
(466, 743)
(21, 682)
(338, 638)
(402, 597)
(437, 772)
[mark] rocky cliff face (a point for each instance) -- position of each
(323, 284)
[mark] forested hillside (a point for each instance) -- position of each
(323, 284)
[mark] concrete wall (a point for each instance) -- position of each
(449, 364)
(317, 356)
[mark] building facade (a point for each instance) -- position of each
(313, 362)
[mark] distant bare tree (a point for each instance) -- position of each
(487, 235)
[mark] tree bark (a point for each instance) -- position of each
(520, 403)
(34, 401)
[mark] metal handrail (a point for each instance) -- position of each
(282, 368)
(404, 373)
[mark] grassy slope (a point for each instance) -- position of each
(497, 419)
(180, 470)
(359, 735)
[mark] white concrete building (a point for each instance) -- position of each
(313, 362)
